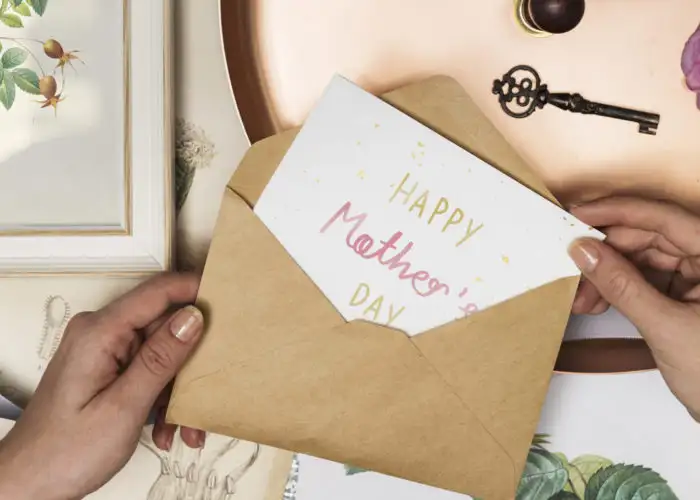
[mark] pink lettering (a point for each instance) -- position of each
(364, 243)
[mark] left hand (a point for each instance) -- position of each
(84, 421)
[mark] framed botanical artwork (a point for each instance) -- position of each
(85, 128)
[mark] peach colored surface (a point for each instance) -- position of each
(624, 52)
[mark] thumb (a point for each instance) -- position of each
(159, 359)
(622, 285)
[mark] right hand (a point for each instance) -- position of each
(661, 236)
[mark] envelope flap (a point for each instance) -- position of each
(501, 360)
(300, 377)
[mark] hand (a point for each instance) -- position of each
(84, 421)
(657, 235)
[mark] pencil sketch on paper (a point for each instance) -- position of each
(57, 313)
(209, 473)
(21, 59)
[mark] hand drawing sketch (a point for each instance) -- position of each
(57, 313)
(210, 473)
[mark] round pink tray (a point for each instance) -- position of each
(281, 55)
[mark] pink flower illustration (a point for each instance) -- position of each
(690, 63)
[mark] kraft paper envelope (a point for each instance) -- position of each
(455, 407)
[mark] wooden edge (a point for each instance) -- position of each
(604, 356)
(237, 26)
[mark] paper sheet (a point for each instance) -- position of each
(399, 226)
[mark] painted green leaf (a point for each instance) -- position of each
(7, 90)
(0, 46)
(39, 6)
(23, 10)
(11, 20)
(2, 75)
(628, 482)
(351, 470)
(658, 491)
(628, 489)
(581, 469)
(598, 479)
(609, 488)
(13, 57)
(544, 476)
(26, 80)
(564, 495)
(17, 3)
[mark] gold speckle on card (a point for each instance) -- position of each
(361, 174)
(376, 125)
(505, 259)
(421, 145)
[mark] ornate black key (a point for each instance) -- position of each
(520, 97)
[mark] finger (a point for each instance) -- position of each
(623, 286)
(630, 240)
(193, 438)
(159, 359)
(156, 325)
(690, 268)
(677, 225)
(601, 306)
(147, 302)
(651, 257)
(163, 433)
(587, 297)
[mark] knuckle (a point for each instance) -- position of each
(621, 287)
(79, 322)
(157, 358)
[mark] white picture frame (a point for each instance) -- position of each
(142, 243)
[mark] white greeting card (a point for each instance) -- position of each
(399, 226)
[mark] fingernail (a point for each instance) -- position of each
(202, 438)
(187, 324)
(585, 255)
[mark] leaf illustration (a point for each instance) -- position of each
(598, 479)
(539, 440)
(628, 482)
(7, 90)
(17, 3)
(544, 476)
(184, 176)
(2, 75)
(27, 80)
(23, 10)
(0, 46)
(39, 6)
(11, 20)
(351, 470)
(609, 488)
(658, 491)
(564, 495)
(581, 469)
(13, 57)
(628, 489)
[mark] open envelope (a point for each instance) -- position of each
(455, 407)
